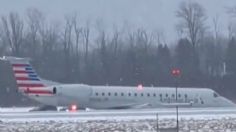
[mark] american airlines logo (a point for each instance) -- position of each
(28, 80)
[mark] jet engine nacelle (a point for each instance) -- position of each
(76, 94)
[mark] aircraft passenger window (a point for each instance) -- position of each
(115, 94)
(129, 94)
(179, 95)
(148, 94)
(122, 94)
(135, 94)
(173, 95)
(109, 94)
(154, 95)
(202, 102)
(141, 94)
(166, 95)
(96, 94)
(186, 96)
(160, 95)
(103, 94)
(215, 95)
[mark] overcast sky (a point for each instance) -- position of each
(149, 14)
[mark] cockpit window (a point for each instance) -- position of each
(215, 94)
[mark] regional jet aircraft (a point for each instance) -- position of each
(108, 97)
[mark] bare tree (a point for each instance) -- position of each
(35, 22)
(86, 34)
(78, 33)
(232, 24)
(2, 44)
(232, 11)
(159, 37)
(192, 17)
(67, 36)
(49, 37)
(231, 30)
(216, 27)
(115, 41)
(67, 45)
(142, 38)
(12, 31)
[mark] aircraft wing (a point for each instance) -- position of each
(133, 105)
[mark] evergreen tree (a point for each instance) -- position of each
(231, 57)
(187, 60)
(163, 64)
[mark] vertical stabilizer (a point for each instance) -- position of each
(27, 79)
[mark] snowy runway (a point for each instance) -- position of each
(210, 120)
(17, 115)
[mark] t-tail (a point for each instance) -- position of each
(27, 79)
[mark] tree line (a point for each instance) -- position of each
(79, 53)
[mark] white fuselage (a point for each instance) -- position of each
(118, 97)
(107, 97)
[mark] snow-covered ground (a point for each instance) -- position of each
(15, 109)
(191, 120)
(226, 124)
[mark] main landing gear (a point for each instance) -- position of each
(45, 108)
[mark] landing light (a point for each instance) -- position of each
(140, 87)
(73, 108)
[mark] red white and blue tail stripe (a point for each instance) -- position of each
(27, 79)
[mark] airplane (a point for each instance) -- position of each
(82, 96)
